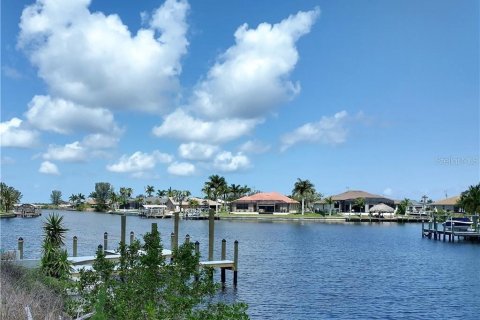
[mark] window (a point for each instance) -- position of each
(242, 206)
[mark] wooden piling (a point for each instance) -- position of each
(20, 248)
(172, 241)
(235, 262)
(105, 241)
(197, 253)
(211, 233)
(75, 242)
(435, 228)
(444, 233)
(132, 237)
(423, 229)
(123, 228)
(175, 228)
(223, 257)
(187, 239)
(154, 227)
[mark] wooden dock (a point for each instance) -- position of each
(433, 231)
(399, 219)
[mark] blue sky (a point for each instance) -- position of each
(381, 96)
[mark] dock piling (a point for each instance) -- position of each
(132, 237)
(20, 247)
(123, 228)
(75, 241)
(223, 257)
(187, 239)
(154, 227)
(211, 233)
(172, 240)
(175, 228)
(197, 253)
(105, 241)
(235, 262)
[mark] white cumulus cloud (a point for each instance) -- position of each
(93, 59)
(251, 77)
(183, 126)
(48, 167)
(139, 162)
(329, 130)
(254, 146)
(12, 134)
(64, 117)
(197, 151)
(72, 152)
(181, 169)
(227, 162)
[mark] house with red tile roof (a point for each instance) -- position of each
(265, 202)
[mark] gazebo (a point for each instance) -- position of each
(381, 209)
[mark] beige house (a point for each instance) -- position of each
(265, 202)
(448, 205)
(345, 202)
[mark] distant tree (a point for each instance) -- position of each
(215, 186)
(360, 204)
(181, 196)
(161, 193)
(330, 203)
(193, 203)
(302, 188)
(403, 206)
(149, 190)
(56, 197)
(9, 196)
(102, 195)
(114, 198)
(470, 199)
(125, 195)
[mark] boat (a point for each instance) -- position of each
(459, 224)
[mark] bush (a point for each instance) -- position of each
(142, 285)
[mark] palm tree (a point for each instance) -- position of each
(235, 191)
(301, 189)
(9, 196)
(149, 190)
(403, 207)
(330, 203)
(161, 193)
(470, 199)
(217, 186)
(359, 203)
(73, 199)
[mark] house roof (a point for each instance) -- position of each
(266, 196)
(447, 202)
(355, 194)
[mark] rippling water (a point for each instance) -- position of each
(309, 270)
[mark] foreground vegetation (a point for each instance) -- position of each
(141, 285)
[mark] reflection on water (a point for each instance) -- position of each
(309, 270)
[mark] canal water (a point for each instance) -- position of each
(308, 270)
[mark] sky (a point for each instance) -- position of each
(380, 96)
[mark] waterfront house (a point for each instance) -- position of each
(27, 210)
(265, 202)
(448, 205)
(346, 202)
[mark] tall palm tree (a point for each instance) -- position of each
(217, 185)
(470, 199)
(330, 203)
(235, 190)
(301, 189)
(81, 198)
(149, 190)
(73, 199)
